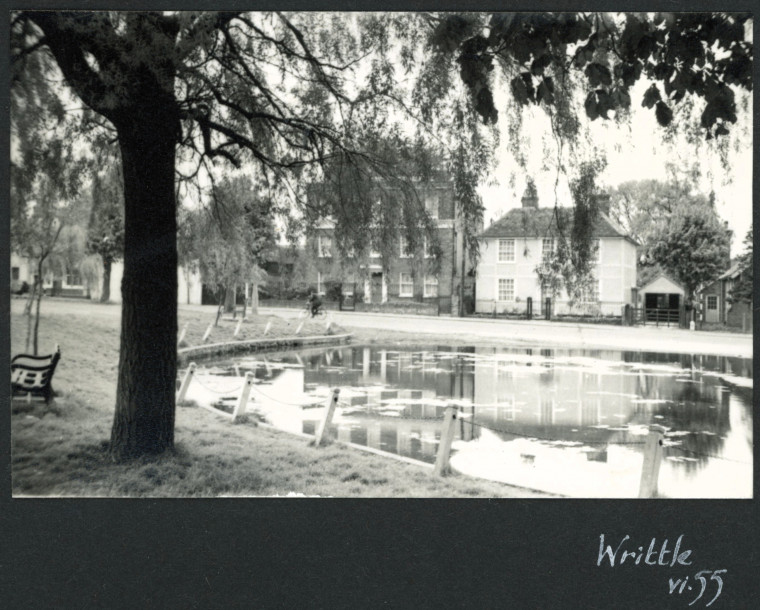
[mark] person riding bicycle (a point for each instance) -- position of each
(314, 303)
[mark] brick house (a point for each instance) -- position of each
(513, 246)
(409, 281)
(716, 305)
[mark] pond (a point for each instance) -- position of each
(568, 421)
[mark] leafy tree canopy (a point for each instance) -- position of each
(693, 246)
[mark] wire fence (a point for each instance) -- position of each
(471, 421)
(707, 455)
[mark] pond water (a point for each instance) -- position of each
(568, 421)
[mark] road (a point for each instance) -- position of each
(669, 340)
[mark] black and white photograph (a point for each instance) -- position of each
(333, 254)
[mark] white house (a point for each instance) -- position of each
(188, 286)
(72, 284)
(513, 246)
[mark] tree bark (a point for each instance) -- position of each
(145, 398)
(254, 303)
(105, 294)
(230, 298)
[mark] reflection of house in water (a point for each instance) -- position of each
(395, 400)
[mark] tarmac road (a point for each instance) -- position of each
(558, 334)
(644, 338)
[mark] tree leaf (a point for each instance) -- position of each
(663, 113)
(598, 75)
(590, 105)
(651, 97)
(519, 90)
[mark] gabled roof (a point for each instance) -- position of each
(541, 222)
(657, 277)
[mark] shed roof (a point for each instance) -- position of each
(660, 276)
(541, 222)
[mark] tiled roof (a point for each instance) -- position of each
(541, 222)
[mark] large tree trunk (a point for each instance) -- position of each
(145, 398)
(105, 294)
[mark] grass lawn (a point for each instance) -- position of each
(60, 450)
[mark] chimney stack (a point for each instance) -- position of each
(530, 196)
(603, 202)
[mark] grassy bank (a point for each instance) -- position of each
(61, 449)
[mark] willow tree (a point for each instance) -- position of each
(293, 94)
(581, 68)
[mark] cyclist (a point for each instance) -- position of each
(314, 303)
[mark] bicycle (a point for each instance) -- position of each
(320, 313)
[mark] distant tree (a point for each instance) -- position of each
(105, 233)
(227, 240)
(45, 178)
(693, 246)
(743, 288)
(646, 208)
(641, 207)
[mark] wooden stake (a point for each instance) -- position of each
(300, 326)
(324, 426)
(185, 382)
(182, 334)
(243, 401)
(237, 328)
(207, 333)
(650, 471)
(447, 437)
(266, 330)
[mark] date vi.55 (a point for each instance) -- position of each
(701, 581)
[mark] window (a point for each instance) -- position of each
(431, 205)
(428, 248)
(712, 302)
(590, 294)
(73, 277)
(506, 289)
(548, 248)
(14, 273)
(506, 250)
(405, 251)
(324, 246)
(431, 286)
(406, 285)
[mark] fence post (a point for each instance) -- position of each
(185, 382)
(650, 470)
(447, 437)
(324, 426)
(243, 401)
(182, 334)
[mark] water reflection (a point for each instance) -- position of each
(571, 421)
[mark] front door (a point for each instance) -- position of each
(376, 288)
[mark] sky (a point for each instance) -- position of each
(634, 152)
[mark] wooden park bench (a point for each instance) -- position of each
(32, 375)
